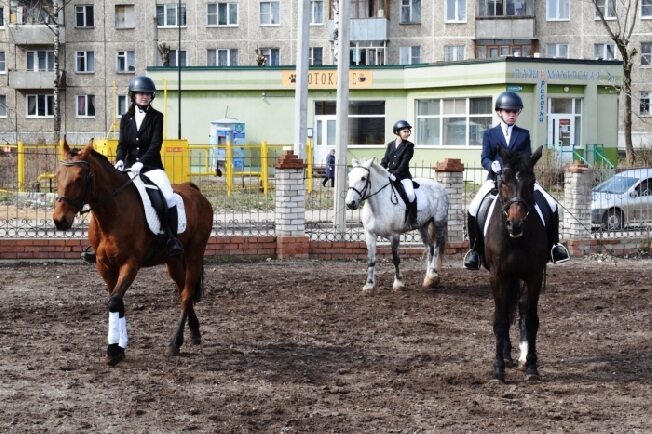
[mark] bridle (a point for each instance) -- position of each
(505, 205)
(362, 193)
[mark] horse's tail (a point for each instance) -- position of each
(199, 287)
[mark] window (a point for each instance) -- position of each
(453, 53)
(410, 11)
(367, 122)
(500, 8)
(177, 58)
(3, 63)
(271, 56)
(125, 17)
(604, 51)
(316, 12)
(168, 16)
(646, 53)
(608, 9)
(40, 60)
(85, 61)
(646, 8)
(558, 10)
(121, 106)
(85, 106)
(2, 16)
(126, 61)
(494, 48)
(40, 106)
(3, 106)
(453, 121)
(410, 55)
(316, 55)
(557, 50)
(269, 13)
(368, 53)
(644, 104)
(223, 57)
(84, 16)
(222, 14)
(456, 11)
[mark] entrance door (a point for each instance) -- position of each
(561, 135)
(324, 138)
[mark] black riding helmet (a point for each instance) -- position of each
(140, 83)
(401, 125)
(508, 101)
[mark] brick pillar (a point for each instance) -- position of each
(450, 173)
(290, 217)
(578, 181)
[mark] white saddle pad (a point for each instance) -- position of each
(491, 210)
(421, 200)
(150, 213)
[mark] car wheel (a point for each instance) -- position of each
(612, 220)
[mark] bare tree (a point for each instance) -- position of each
(620, 31)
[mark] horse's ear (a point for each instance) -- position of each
(535, 157)
(369, 162)
(355, 162)
(65, 148)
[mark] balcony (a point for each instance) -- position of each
(34, 34)
(364, 29)
(33, 80)
(504, 27)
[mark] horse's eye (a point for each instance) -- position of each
(364, 178)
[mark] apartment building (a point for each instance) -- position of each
(104, 44)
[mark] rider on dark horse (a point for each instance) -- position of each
(139, 148)
(397, 158)
(508, 136)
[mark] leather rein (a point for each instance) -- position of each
(362, 193)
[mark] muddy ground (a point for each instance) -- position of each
(293, 346)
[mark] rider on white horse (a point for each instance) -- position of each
(397, 158)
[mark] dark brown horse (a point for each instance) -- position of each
(119, 234)
(515, 254)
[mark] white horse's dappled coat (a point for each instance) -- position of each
(384, 215)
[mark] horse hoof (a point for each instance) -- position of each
(498, 377)
(173, 351)
(431, 282)
(368, 288)
(114, 359)
(509, 363)
(532, 377)
(398, 286)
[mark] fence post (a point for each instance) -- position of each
(290, 215)
(576, 222)
(228, 168)
(21, 165)
(264, 171)
(450, 173)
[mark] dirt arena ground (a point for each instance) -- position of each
(293, 346)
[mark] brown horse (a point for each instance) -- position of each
(119, 234)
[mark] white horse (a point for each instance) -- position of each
(384, 215)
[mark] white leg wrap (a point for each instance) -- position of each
(124, 339)
(523, 346)
(114, 328)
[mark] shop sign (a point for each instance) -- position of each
(358, 79)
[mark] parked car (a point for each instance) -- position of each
(623, 200)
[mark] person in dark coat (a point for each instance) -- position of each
(330, 169)
(508, 136)
(396, 160)
(139, 149)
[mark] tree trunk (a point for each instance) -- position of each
(56, 105)
(627, 121)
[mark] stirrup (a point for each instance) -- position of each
(468, 265)
(563, 256)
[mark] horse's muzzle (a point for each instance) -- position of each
(62, 224)
(514, 228)
(352, 205)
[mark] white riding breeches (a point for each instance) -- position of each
(409, 189)
(159, 178)
(489, 185)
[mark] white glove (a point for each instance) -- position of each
(137, 167)
(495, 166)
(119, 165)
(392, 177)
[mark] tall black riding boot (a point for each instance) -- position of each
(174, 246)
(88, 255)
(412, 213)
(472, 258)
(558, 253)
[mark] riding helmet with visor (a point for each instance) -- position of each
(401, 125)
(143, 84)
(508, 101)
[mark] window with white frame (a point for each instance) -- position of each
(40, 61)
(644, 103)
(272, 56)
(270, 13)
(3, 63)
(126, 61)
(222, 14)
(222, 57)
(604, 51)
(316, 55)
(368, 53)
(3, 106)
(367, 122)
(453, 53)
(646, 9)
(121, 106)
(2, 16)
(85, 61)
(646, 53)
(410, 11)
(85, 106)
(608, 9)
(557, 10)
(40, 106)
(125, 17)
(505, 8)
(557, 50)
(316, 12)
(453, 121)
(84, 16)
(456, 11)
(170, 15)
(410, 55)
(177, 58)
